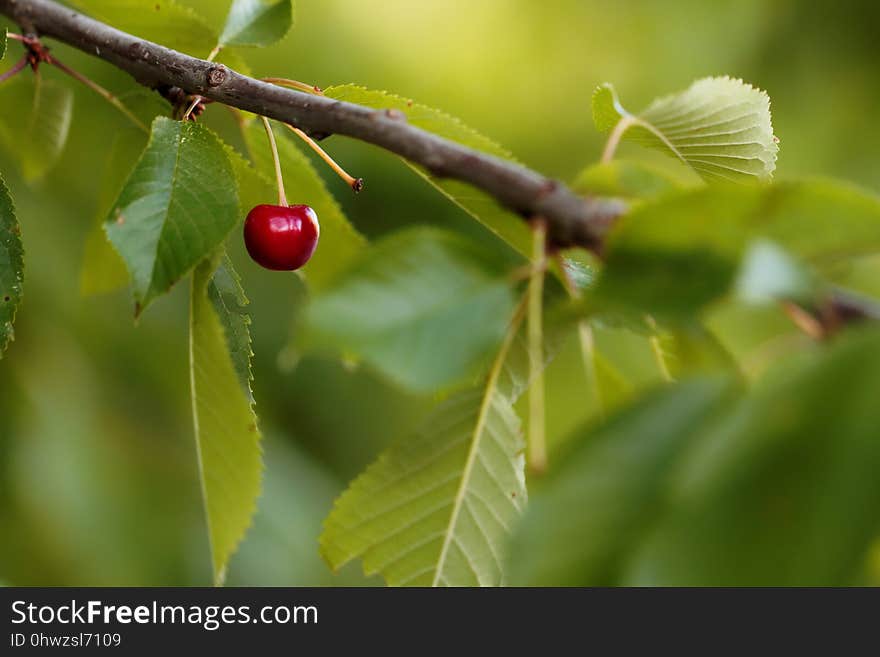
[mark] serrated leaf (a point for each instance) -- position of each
(230, 304)
(177, 207)
(340, 243)
(480, 206)
(614, 477)
(227, 438)
(420, 306)
(257, 22)
(164, 21)
(721, 127)
(11, 266)
(674, 256)
(436, 509)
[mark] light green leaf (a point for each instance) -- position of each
(614, 478)
(436, 509)
(48, 127)
(257, 22)
(103, 269)
(340, 243)
(674, 256)
(36, 136)
(721, 127)
(420, 306)
(11, 266)
(624, 179)
(164, 21)
(176, 208)
(227, 438)
(480, 206)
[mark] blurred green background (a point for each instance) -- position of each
(98, 478)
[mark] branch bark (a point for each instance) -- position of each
(571, 219)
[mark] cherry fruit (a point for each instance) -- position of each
(281, 237)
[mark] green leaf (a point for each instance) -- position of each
(674, 256)
(103, 269)
(783, 490)
(578, 527)
(436, 509)
(340, 243)
(480, 206)
(257, 22)
(420, 306)
(624, 179)
(699, 485)
(36, 136)
(11, 266)
(164, 21)
(176, 208)
(227, 438)
(720, 127)
(3, 43)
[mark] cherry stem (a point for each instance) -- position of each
(537, 443)
(101, 91)
(193, 105)
(214, 53)
(295, 84)
(282, 198)
(16, 68)
(357, 184)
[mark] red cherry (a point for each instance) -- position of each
(281, 238)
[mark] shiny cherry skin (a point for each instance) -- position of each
(281, 238)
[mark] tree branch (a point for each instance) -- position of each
(571, 219)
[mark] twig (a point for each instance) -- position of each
(571, 219)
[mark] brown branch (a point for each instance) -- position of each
(571, 219)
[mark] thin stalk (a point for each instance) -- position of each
(537, 442)
(357, 184)
(614, 138)
(282, 197)
(295, 84)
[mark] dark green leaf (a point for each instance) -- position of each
(176, 208)
(784, 491)
(420, 306)
(591, 509)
